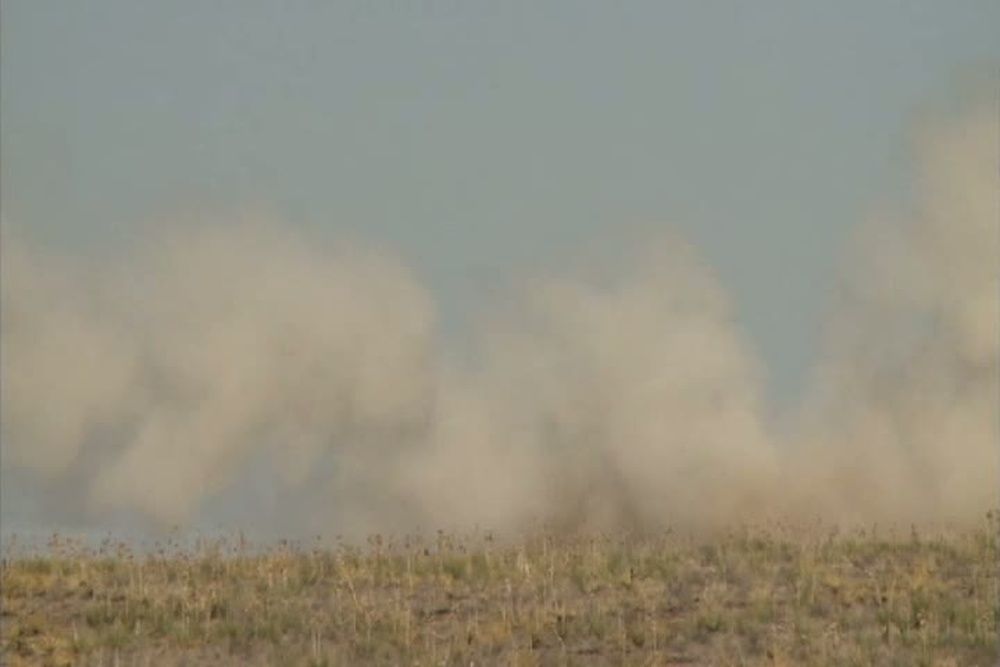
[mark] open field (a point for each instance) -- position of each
(755, 596)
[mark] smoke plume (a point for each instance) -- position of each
(625, 397)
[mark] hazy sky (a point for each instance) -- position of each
(478, 137)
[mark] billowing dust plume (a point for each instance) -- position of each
(625, 397)
(904, 410)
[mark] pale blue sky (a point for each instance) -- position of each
(475, 137)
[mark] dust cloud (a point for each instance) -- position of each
(622, 397)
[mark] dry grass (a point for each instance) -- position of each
(761, 596)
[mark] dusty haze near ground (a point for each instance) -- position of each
(625, 396)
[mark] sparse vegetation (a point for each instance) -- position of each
(760, 596)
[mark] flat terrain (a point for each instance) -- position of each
(755, 596)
